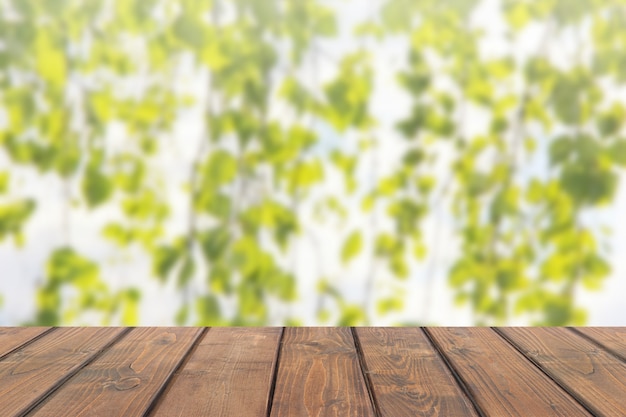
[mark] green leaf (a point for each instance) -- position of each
(164, 259)
(214, 242)
(13, 216)
(406, 214)
(368, 202)
(420, 251)
(588, 184)
(249, 257)
(182, 315)
(567, 98)
(610, 122)
(411, 126)
(189, 29)
(67, 266)
(561, 149)
(618, 152)
(101, 106)
(130, 309)
(426, 184)
(117, 233)
(398, 266)
(351, 315)
(416, 83)
(251, 301)
(220, 279)
(352, 246)
(597, 269)
(348, 95)
(413, 157)
(386, 244)
(208, 309)
(217, 204)
(213, 56)
(535, 191)
(220, 168)
(396, 15)
(389, 305)
(558, 312)
(323, 316)
(296, 94)
(518, 15)
(306, 174)
(324, 23)
(283, 285)
(68, 159)
(186, 271)
(480, 90)
(47, 316)
(97, 188)
(50, 60)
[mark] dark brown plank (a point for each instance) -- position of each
(319, 375)
(231, 371)
(408, 377)
(126, 379)
(613, 338)
(29, 373)
(12, 338)
(501, 380)
(592, 375)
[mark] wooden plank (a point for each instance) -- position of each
(592, 375)
(12, 338)
(30, 373)
(408, 376)
(319, 375)
(126, 379)
(232, 368)
(501, 380)
(612, 338)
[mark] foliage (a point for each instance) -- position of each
(75, 77)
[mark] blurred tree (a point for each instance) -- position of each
(93, 94)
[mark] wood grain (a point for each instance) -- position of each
(28, 374)
(229, 373)
(126, 379)
(12, 338)
(500, 379)
(593, 376)
(370, 372)
(611, 338)
(408, 376)
(319, 375)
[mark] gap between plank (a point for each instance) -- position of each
(543, 371)
(28, 342)
(160, 393)
(270, 395)
(67, 377)
(365, 373)
(599, 344)
(453, 371)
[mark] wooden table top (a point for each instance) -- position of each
(328, 371)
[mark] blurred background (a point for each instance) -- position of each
(312, 162)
